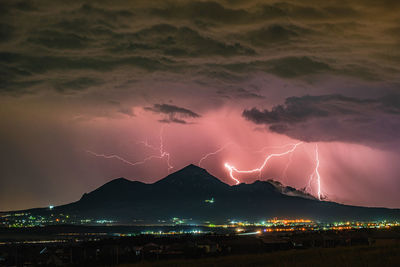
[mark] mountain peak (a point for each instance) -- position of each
(191, 170)
(118, 181)
(193, 176)
(191, 167)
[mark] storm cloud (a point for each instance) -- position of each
(174, 114)
(334, 118)
(210, 40)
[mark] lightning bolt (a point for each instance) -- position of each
(146, 144)
(258, 170)
(284, 176)
(213, 153)
(231, 169)
(315, 174)
(163, 154)
(273, 147)
(112, 156)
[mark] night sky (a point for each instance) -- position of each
(88, 90)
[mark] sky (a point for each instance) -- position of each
(92, 91)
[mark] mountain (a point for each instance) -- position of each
(187, 194)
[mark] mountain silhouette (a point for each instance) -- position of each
(184, 194)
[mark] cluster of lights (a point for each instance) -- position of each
(194, 231)
(289, 221)
(103, 221)
(176, 220)
(290, 225)
(28, 220)
(272, 225)
(211, 201)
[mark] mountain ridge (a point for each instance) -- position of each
(184, 194)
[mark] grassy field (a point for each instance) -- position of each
(343, 256)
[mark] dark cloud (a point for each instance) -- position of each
(316, 12)
(275, 33)
(173, 120)
(239, 93)
(334, 118)
(394, 31)
(8, 72)
(174, 114)
(169, 40)
(249, 95)
(78, 84)
(203, 10)
(58, 40)
(85, 25)
(108, 13)
(171, 109)
(360, 71)
(286, 67)
(213, 42)
(340, 11)
(297, 66)
(17, 88)
(41, 64)
(16, 67)
(6, 32)
(14, 80)
(221, 13)
(26, 6)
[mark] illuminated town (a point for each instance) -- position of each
(25, 219)
(70, 239)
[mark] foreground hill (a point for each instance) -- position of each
(376, 255)
(194, 193)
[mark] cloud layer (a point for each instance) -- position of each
(215, 39)
(334, 118)
(173, 113)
